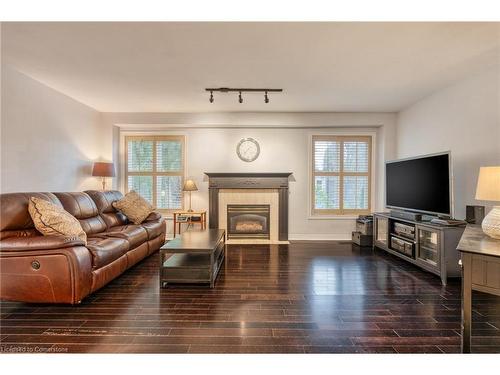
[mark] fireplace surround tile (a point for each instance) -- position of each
(247, 197)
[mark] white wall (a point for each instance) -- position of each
(463, 118)
(48, 140)
(284, 140)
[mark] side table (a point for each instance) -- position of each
(202, 215)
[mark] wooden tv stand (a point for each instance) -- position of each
(434, 246)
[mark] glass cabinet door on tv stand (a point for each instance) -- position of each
(381, 231)
(428, 246)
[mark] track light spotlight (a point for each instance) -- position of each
(240, 90)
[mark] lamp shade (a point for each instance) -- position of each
(101, 169)
(189, 185)
(488, 184)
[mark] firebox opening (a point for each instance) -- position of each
(248, 221)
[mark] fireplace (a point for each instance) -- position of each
(270, 188)
(248, 221)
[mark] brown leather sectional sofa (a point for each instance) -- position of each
(58, 269)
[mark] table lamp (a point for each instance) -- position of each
(488, 189)
(190, 185)
(103, 170)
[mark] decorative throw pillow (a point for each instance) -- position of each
(134, 207)
(50, 219)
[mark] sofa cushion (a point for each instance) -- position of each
(52, 220)
(106, 249)
(15, 220)
(81, 206)
(104, 202)
(134, 234)
(135, 207)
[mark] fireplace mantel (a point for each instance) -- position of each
(272, 180)
(249, 174)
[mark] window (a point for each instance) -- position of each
(154, 167)
(341, 175)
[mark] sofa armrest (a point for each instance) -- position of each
(59, 275)
(39, 243)
(153, 216)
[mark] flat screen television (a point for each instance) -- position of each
(420, 184)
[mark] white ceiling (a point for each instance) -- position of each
(164, 67)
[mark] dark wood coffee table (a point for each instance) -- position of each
(194, 257)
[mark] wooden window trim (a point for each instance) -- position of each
(341, 139)
(154, 173)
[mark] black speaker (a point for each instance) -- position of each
(407, 215)
(474, 214)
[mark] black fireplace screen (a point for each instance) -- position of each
(248, 221)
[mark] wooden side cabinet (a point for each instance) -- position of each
(480, 271)
(486, 274)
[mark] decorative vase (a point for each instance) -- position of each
(491, 223)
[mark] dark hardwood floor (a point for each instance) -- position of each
(302, 298)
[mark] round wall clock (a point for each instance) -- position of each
(248, 149)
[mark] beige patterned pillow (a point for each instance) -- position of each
(134, 207)
(50, 219)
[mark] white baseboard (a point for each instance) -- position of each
(305, 237)
(318, 237)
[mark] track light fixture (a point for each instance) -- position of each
(239, 91)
